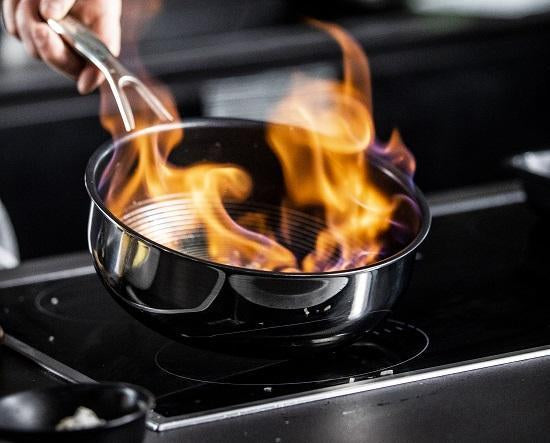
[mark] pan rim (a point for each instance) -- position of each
(90, 181)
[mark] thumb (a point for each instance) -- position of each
(55, 9)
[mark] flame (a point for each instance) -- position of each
(322, 151)
(143, 172)
(397, 154)
(324, 163)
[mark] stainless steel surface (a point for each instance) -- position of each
(57, 368)
(169, 220)
(236, 309)
(534, 162)
(533, 168)
(87, 44)
(503, 403)
(476, 198)
(48, 269)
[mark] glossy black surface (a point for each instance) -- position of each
(237, 310)
(388, 346)
(479, 289)
(31, 416)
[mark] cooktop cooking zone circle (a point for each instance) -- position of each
(59, 301)
(379, 352)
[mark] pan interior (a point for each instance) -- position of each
(169, 220)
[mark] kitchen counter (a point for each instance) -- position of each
(506, 398)
(504, 403)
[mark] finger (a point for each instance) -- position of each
(8, 13)
(55, 53)
(107, 26)
(55, 9)
(26, 18)
(90, 78)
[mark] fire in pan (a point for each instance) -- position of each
(276, 238)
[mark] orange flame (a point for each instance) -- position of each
(324, 162)
(322, 155)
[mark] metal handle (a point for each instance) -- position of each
(87, 44)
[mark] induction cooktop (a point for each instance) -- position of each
(478, 297)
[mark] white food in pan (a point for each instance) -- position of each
(83, 418)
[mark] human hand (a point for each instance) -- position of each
(25, 19)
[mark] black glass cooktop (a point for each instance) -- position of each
(480, 288)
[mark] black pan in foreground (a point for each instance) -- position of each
(32, 416)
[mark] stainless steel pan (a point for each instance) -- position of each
(180, 293)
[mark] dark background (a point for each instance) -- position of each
(466, 91)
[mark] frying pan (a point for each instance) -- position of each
(31, 416)
(177, 291)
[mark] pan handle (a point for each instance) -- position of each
(89, 46)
